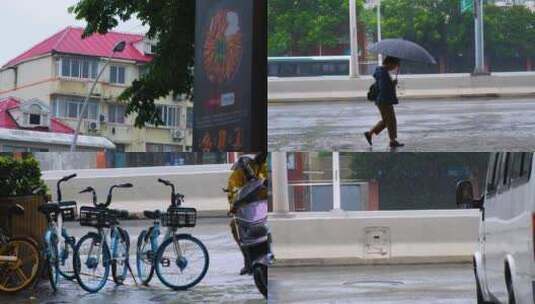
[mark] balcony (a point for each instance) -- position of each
(80, 87)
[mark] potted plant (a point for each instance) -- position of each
(20, 176)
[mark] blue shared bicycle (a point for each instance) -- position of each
(58, 244)
(180, 260)
(93, 257)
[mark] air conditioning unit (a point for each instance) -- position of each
(92, 126)
(178, 134)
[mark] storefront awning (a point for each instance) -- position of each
(55, 139)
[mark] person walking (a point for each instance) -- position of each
(385, 101)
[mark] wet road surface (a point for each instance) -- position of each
(384, 284)
(222, 283)
(479, 125)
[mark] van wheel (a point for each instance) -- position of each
(480, 299)
(509, 285)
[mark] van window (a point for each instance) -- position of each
(516, 169)
(493, 173)
(526, 165)
(506, 169)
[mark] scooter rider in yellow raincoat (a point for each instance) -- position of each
(246, 168)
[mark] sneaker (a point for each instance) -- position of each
(368, 136)
(396, 144)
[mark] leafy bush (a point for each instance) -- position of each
(20, 176)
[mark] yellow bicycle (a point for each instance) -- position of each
(20, 261)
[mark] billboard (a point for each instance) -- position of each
(230, 95)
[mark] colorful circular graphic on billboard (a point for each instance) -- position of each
(223, 49)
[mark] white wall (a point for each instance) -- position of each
(410, 86)
(413, 236)
(201, 184)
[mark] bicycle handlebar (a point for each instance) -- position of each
(108, 199)
(127, 185)
(165, 182)
(90, 189)
(63, 179)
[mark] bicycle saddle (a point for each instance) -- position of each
(152, 214)
(49, 208)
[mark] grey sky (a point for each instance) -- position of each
(23, 23)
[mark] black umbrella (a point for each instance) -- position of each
(402, 49)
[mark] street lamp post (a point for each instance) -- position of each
(480, 38)
(354, 64)
(379, 33)
(119, 47)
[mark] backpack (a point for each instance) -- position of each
(373, 92)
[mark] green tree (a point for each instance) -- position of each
(172, 22)
(437, 25)
(510, 33)
(297, 26)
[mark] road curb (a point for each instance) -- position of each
(384, 261)
(295, 100)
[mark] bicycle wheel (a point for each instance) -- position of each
(51, 250)
(260, 274)
(181, 262)
(19, 274)
(119, 264)
(144, 258)
(65, 258)
(91, 262)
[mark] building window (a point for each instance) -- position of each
(7, 148)
(71, 107)
(158, 148)
(170, 115)
(116, 113)
(189, 119)
(117, 74)
(35, 119)
(83, 68)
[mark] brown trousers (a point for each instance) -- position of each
(388, 120)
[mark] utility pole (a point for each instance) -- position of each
(479, 38)
(379, 33)
(354, 62)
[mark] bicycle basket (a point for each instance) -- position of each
(96, 217)
(69, 214)
(180, 217)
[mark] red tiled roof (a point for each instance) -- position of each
(6, 121)
(69, 41)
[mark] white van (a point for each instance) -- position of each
(504, 264)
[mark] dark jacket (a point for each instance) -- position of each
(386, 86)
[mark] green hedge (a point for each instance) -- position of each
(20, 176)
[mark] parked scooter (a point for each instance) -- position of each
(250, 214)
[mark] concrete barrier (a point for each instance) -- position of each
(201, 185)
(342, 88)
(373, 237)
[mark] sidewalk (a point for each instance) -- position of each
(222, 283)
